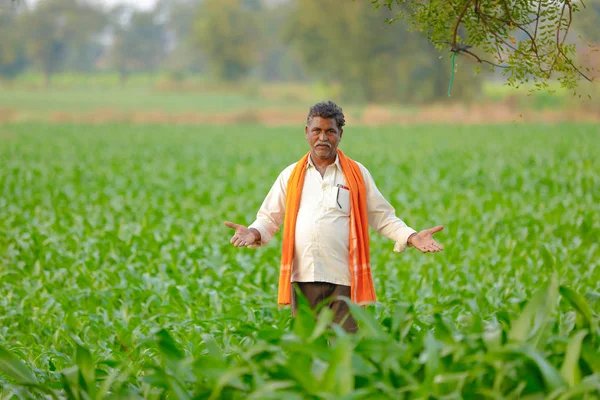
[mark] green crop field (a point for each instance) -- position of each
(117, 279)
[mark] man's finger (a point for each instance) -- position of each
(434, 245)
(437, 245)
(436, 229)
(233, 239)
(231, 225)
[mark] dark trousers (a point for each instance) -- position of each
(316, 292)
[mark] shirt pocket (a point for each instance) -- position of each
(340, 199)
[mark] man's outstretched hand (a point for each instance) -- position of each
(243, 236)
(424, 240)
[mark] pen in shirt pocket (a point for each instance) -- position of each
(337, 197)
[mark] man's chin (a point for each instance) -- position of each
(323, 153)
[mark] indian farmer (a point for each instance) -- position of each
(326, 202)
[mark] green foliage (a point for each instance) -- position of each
(140, 40)
(183, 58)
(226, 31)
(527, 39)
(59, 31)
(13, 59)
(117, 279)
(348, 49)
(372, 61)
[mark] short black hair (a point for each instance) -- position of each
(327, 109)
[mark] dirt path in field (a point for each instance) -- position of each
(492, 113)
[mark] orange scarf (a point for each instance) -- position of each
(362, 290)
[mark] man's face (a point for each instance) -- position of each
(323, 136)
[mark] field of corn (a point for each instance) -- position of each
(117, 279)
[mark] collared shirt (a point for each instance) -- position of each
(321, 249)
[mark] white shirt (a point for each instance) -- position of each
(321, 252)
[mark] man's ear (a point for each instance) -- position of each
(306, 132)
(341, 133)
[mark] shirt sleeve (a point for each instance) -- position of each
(382, 216)
(271, 214)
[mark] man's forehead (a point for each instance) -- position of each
(322, 121)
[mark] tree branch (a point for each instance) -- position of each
(510, 18)
(560, 50)
(458, 21)
(537, 20)
(493, 24)
(480, 60)
(534, 48)
(493, 32)
(499, 53)
(558, 44)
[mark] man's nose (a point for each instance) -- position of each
(322, 136)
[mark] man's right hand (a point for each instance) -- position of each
(243, 236)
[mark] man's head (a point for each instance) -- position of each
(324, 129)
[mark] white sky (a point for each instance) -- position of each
(142, 4)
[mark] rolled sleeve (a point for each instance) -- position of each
(266, 234)
(402, 240)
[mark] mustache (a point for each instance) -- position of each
(323, 143)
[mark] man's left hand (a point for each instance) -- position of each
(424, 241)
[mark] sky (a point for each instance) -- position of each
(142, 4)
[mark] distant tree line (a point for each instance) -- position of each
(231, 40)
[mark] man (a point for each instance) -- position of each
(326, 202)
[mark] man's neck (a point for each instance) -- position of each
(322, 163)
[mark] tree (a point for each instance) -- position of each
(277, 61)
(371, 61)
(226, 32)
(139, 41)
(527, 39)
(180, 15)
(57, 29)
(13, 58)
